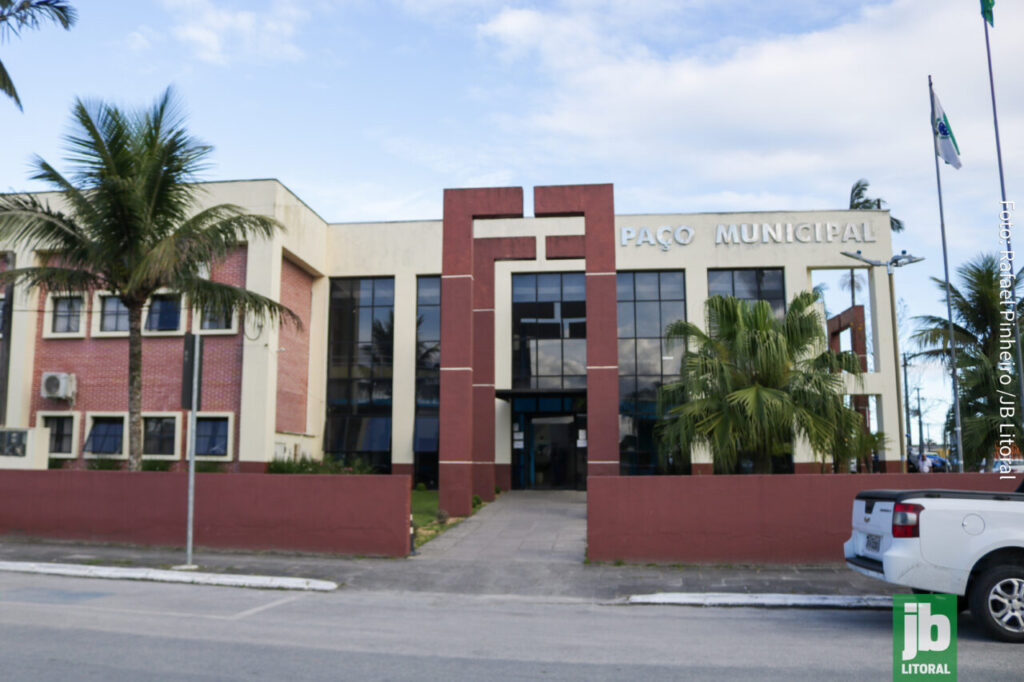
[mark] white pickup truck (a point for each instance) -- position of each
(950, 541)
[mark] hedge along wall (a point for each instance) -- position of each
(317, 513)
(757, 518)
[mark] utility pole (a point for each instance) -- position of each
(920, 424)
(906, 402)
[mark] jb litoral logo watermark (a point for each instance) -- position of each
(923, 637)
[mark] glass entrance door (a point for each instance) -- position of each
(550, 458)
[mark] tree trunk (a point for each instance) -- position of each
(135, 387)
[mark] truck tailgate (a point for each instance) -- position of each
(872, 525)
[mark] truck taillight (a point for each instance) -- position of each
(906, 520)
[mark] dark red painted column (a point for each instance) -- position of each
(485, 252)
(597, 206)
(461, 207)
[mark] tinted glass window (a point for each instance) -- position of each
(549, 330)
(360, 364)
(649, 302)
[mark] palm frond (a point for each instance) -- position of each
(7, 87)
(55, 279)
(227, 300)
(25, 220)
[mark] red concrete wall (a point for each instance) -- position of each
(293, 361)
(101, 365)
(772, 519)
(340, 514)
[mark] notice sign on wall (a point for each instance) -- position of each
(13, 442)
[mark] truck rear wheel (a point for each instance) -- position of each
(997, 602)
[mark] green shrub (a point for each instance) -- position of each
(156, 464)
(477, 501)
(443, 516)
(497, 490)
(308, 465)
(103, 464)
(56, 463)
(210, 468)
(421, 486)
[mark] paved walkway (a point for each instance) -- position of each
(529, 544)
(521, 525)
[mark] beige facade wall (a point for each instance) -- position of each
(799, 242)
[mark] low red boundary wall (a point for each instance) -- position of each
(343, 514)
(773, 519)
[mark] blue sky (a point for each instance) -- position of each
(368, 109)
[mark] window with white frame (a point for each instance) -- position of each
(106, 435)
(213, 320)
(213, 436)
(62, 434)
(113, 314)
(164, 313)
(66, 317)
(160, 435)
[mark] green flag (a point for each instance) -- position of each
(986, 11)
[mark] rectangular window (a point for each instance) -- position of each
(428, 380)
(649, 302)
(164, 313)
(216, 319)
(114, 315)
(750, 284)
(360, 367)
(158, 435)
(67, 314)
(549, 330)
(60, 434)
(211, 436)
(105, 436)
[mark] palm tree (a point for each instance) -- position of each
(754, 382)
(977, 318)
(132, 226)
(859, 200)
(17, 15)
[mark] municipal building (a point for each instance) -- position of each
(484, 349)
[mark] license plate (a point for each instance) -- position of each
(873, 543)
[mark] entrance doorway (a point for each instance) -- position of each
(550, 453)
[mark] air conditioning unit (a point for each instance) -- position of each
(57, 386)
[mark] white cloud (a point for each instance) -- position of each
(220, 35)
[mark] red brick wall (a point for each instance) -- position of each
(100, 365)
(342, 514)
(791, 518)
(293, 361)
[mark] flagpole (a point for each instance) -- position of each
(949, 298)
(1002, 206)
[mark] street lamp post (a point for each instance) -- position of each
(897, 261)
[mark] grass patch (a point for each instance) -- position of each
(430, 521)
(424, 507)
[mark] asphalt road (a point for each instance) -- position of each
(77, 629)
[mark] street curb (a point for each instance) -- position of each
(786, 601)
(159, 575)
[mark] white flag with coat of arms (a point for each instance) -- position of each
(945, 141)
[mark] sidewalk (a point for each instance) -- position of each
(526, 544)
(535, 578)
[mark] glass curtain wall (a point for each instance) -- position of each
(750, 284)
(428, 380)
(647, 303)
(360, 347)
(549, 331)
